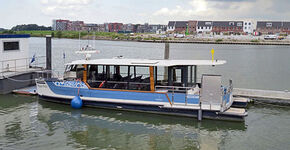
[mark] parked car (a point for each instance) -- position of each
(163, 36)
(179, 35)
(281, 37)
(270, 37)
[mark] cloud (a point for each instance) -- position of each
(64, 7)
(225, 10)
(174, 12)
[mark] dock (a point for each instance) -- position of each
(267, 96)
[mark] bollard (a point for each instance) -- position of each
(199, 117)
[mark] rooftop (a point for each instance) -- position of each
(148, 62)
(14, 36)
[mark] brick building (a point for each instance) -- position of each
(60, 25)
(177, 26)
(75, 25)
(204, 26)
(286, 27)
(115, 27)
(192, 26)
(273, 27)
(230, 27)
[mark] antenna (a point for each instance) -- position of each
(79, 40)
(87, 53)
(87, 50)
(94, 44)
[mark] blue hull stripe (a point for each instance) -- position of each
(125, 95)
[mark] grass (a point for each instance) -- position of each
(73, 34)
(219, 40)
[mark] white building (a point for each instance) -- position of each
(204, 27)
(171, 26)
(249, 27)
(14, 51)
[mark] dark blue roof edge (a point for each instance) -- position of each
(14, 35)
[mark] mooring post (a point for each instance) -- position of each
(199, 118)
(166, 56)
(48, 52)
(48, 56)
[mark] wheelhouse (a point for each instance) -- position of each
(136, 74)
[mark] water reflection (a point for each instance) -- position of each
(29, 123)
(102, 128)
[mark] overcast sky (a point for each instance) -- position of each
(13, 12)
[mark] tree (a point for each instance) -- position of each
(29, 27)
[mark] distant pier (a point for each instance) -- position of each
(267, 96)
(214, 42)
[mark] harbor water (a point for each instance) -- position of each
(249, 66)
(31, 123)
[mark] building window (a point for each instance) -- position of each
(201, 27)
(245, 23)
(207, 23)
(245, 28)
(11, 46)
(269, 25)
(249, 23)
(239, 24)
(231, 23)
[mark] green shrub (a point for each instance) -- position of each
(255, 40)
(219, 40)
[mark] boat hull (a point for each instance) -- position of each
(156, 109)
(149, 102)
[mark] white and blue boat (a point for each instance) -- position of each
(167, 87)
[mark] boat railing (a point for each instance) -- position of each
(128, 85)
(225, 95)
(13, 66)
(175, 89)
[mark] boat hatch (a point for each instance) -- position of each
(212, 95)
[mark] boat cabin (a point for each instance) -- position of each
(136, 74)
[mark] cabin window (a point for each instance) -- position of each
(79, 71)
(161, 76)
(119, 77)
(8, 46)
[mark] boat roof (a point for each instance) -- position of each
(147, 62)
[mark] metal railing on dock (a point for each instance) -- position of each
(14, 66)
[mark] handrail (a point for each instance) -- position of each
(174, 89)
(21, 64)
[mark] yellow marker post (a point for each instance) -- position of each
(212, 54)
